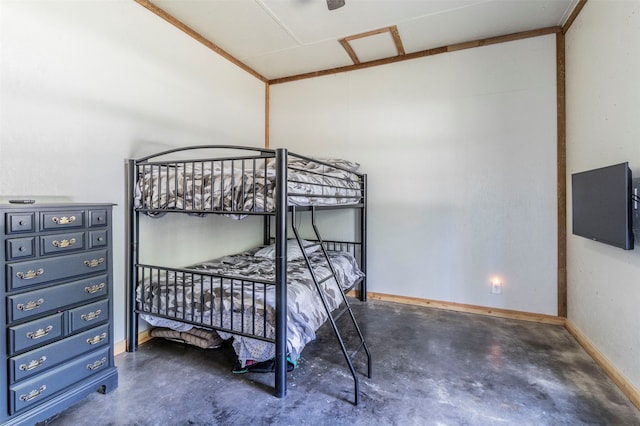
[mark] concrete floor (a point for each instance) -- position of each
(430, 367)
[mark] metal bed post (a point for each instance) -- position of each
(267, 224)
(132, 319)
(363, 240)
(281, 273)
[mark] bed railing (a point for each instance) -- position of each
(231, 304)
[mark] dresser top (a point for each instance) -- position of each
(6, 204)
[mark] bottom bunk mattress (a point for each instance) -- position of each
(233, 294)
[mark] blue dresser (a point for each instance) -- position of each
(57, 287)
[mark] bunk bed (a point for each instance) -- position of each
(271, 298)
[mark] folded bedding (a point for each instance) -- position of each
(231, 294)
(206, 339)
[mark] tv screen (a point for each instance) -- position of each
(602, 205)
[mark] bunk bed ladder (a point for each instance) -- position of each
(344, 308)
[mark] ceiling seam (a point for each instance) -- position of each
(275, 19)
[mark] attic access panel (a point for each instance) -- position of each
(373, 45)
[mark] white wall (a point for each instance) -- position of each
(460, 150)
(603, 102)
(84, 85)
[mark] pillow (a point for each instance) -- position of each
(352, 166)
(293, 250)
(303, 163)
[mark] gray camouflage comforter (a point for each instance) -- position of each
(244, 186)
(241, 306)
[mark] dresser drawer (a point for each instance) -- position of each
(88, 315)
(19, 248)
(20, 222)
(41, 359)
(98, 239)
(98, 218)
(61, 243)
(23, 274)
(23, 305)
(38, 332)
(61, 220)
(39, 388)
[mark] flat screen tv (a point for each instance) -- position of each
(602, 205)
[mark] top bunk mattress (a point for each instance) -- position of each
(244, 186)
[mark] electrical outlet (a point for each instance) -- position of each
(496, 287)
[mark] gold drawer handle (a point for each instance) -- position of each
(99, 363)
(33, 394)
(63, 220)
(94, 288)
(29, 305)
(94, 262)
(33, 364)
(91, 315)
(39, 333)
(63, 243)
(30, 274)
(97, 339)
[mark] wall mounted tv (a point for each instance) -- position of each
(602, 205)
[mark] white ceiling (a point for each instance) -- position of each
(282, 38)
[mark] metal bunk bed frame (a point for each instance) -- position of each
(280, 216)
